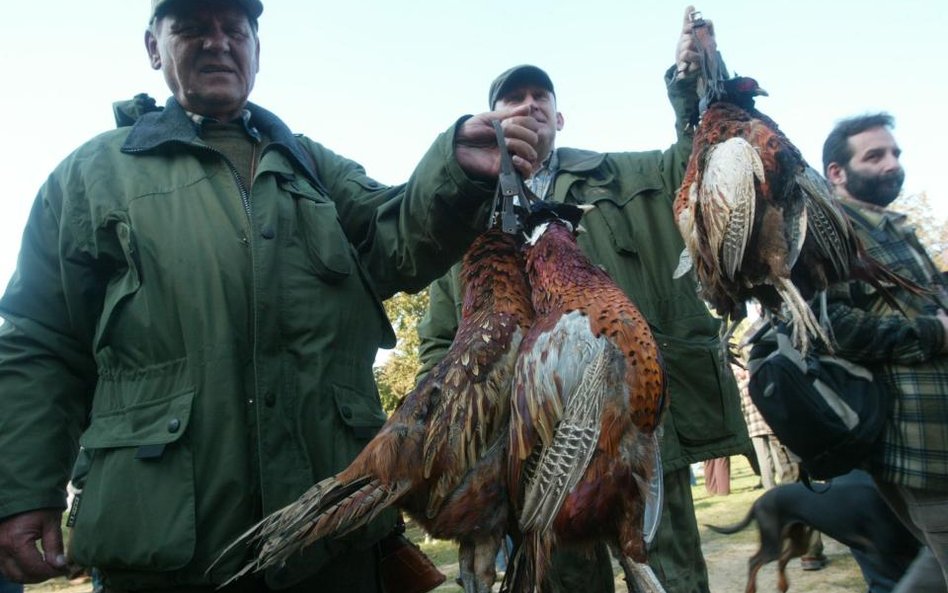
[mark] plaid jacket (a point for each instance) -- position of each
(904, 351)
(756, 425)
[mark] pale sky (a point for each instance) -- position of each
(376, 81)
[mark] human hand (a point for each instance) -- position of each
(475, 145)
(687, 58)
(20, 560)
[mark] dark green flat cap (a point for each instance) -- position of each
(159, 7)
(517, 76)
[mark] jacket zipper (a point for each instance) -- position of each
(245, 202)
(244, 193)
(254, 401)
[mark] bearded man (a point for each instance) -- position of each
(906, 352)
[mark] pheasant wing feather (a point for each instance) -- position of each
(473, 403)
(827, 225)
(475, 377)
(727, 199)
(551, 363)
(564, 458)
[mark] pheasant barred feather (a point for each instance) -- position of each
(566, 453)
(757, 221)
(441, 456)
(589, 393)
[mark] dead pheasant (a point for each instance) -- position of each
(758, 222)
(589, 395)
(441, 455)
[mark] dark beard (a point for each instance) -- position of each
(880, 190)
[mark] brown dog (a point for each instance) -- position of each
(849, 510)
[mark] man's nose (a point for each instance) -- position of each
(532, 102)
(216, 40)
(891, 162)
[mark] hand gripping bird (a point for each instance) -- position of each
(441, 456)
(758, 222)
(589, 393)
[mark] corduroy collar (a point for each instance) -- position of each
(174, 124)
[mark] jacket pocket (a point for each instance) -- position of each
(615, 207)
(362, 415)
(697, 390)
(325, 241)
(136, 510)
(331, 255)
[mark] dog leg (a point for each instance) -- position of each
(796, 539)
(754, 564)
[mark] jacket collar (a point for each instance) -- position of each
(574, 160)
(874, 215)
(172, 124)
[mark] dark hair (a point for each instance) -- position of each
(836, 147)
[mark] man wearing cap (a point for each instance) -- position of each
(632, 234)
(197, 304)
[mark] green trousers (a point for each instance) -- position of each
(675, 555)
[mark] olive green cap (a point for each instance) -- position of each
(253, 7)
(518, 76)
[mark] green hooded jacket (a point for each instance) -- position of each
(210, 347)
(633, 236)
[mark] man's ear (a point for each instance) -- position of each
(836, 174)
(559, 121)
(151, 46)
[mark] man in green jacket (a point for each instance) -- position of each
(197, 304)
(633, 236)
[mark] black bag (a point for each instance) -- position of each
(828, 411)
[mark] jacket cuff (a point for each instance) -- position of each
(473, 196)
(683, 95)
(33, 503)
(453, 207)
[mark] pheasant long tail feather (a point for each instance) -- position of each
(564, 461)
(834, 235)
(825, 223)
(868, 269)
(272, 525)
(802, 319)
(328, 508)
(527, 567)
